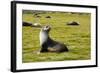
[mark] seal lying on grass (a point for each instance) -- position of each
(49, 45)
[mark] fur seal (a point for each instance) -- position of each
(49, 45)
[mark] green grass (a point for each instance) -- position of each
(76, 38)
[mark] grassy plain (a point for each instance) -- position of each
(76, 38)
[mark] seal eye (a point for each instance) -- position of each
(47, 26)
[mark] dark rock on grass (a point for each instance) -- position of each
(38, 16)
(36, 25)
(48, 16)
(73, 23)
(26, 24)
(32, 25)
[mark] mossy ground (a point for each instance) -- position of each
(76, 38)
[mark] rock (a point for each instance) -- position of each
(48, 16)
(36, 25)
(26, 24)
(73, 23)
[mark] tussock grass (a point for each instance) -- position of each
(76, 38)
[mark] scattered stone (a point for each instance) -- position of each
(73, 23)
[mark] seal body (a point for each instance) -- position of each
(49, 45)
